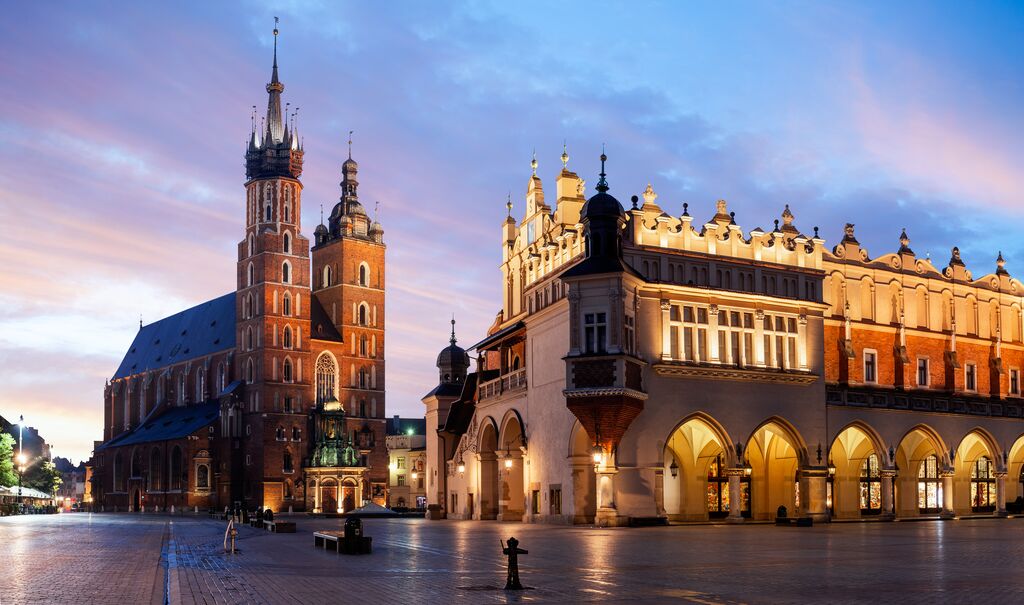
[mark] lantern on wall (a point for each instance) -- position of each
(674, 468)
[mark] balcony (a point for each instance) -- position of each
(509, 383)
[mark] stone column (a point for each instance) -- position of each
(813, 500)
(888, 509)
(947, 496)
(735, 495)
(1000, 494)
(666, 332)
(607, 513)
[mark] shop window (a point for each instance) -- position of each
(983, 486)
(870, 486)
(929, 486)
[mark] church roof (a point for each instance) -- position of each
(201, 330)
(175, 423)
(320, 324)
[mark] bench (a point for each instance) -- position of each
(280, 527)
(328, 540)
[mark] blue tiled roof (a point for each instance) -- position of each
(195, 332)
(175, 423)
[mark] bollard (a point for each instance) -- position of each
(172, 509)
(513, 551)
(229, 534)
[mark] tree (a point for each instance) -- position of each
(8, 477)
(43, 476)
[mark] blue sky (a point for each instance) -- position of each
(123, 128)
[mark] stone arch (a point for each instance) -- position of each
(511, 488)
(867, 298)
(855, 482)
(1015, 470)
(915, 495)
(696, 456)
(584, 479)
(775, 452)
(977, 458)
(487, 446)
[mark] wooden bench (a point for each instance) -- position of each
(328, 540)
(280, 527)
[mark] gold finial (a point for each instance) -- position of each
(565, 157)
(533, 162)
(508, 204)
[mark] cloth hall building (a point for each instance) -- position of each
(647, 367)
(271, 395)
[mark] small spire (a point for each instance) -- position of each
(376, 209)
(274, 78)
(565, 156)
(533, 162)
(350, 144)
(452, 339)
(321, 214)
(602, 183)
(508, 204)
(140, 321)
(686, 209)
(1000, 264)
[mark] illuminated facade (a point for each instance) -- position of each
(647, 367)
(272, 395)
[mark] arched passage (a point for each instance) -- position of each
(584, 479)
(1015, 473)
(974, 479)
(855, 484)
(774, 453)
(696, 483)
(512, 496)
(488, 469)
(920, 464)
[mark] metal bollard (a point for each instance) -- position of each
(229, 534)
(513, 551)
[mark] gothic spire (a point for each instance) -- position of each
(602, 183)
(275, 125)
(452, 339)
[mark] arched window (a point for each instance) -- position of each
(362, 378)
(154, 471)
(252, 275)
(296, 434)
(287, 490)
(287, 370)
(870, 486)
(983, 486)
(280, 433)
(287, 337)
(202, 477)
(364, 275)
(177, 478)
(286, 270)
(327, 276)
(287, 242)
(362, 345)
(929, 486)
(287, 462)
(200, 384)
(181, 388)
(364, 313)
(287, 210)
(250, 374)
(249, 307)
(248, 338)
(286, 304)
(250, 245)
(222, 379)
(326, 378)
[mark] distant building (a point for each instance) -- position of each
(407, 456)
(271, 395)
(35, 448)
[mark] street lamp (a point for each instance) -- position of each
(21, 455)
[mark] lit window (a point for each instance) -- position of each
(929, 486)
(595, 329)
(870, 366)
(870, 486)
(983, 486)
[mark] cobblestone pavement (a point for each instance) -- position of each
(123, 558)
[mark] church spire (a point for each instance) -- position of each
(275, 123)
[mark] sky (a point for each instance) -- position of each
(123, 128)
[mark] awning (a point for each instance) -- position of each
(498, 336)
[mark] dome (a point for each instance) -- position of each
(354, 207)
(349, 164)
(602, 205)
(453, 355)
(320, 229)
(375, 227)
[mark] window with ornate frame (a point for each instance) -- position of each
(929, 486)
(983, 486)
(326, 378)
(870, 486)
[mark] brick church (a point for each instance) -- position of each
(271, 395)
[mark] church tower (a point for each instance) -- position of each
(348, 283)
(273, 310)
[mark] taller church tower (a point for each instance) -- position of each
(348, 282)
(273, 310)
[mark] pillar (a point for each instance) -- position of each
(813, 499)
(888, 511)
(735, 496)
(947, 496)
(607, 513)
(1000, 494)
